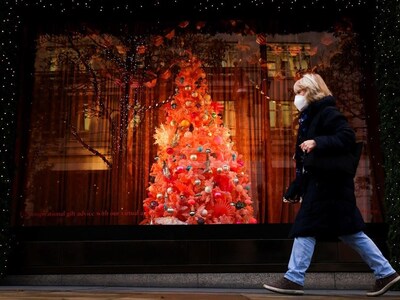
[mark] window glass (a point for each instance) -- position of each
(98, 99)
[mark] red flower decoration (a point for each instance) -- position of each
(218, 107)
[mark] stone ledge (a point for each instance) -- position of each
(331, 281)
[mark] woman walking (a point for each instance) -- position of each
(324, 184)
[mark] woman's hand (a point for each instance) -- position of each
(308, 146)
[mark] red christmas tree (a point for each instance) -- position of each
(198, 177)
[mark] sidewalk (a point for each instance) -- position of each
(188, 286)
(125, 293)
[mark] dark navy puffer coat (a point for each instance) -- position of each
(329, 205)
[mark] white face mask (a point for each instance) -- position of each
(300, 102)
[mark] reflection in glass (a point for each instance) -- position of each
(96, 102)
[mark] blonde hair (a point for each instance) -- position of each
(314, 86)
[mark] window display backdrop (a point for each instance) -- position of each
(178, 127)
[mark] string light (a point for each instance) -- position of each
(257, 87)
(386, 31)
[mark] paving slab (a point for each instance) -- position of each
(112, 293)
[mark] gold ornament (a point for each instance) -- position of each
(184, 123)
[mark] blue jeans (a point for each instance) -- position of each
(303, 249)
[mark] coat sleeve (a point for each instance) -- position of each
(334, 133)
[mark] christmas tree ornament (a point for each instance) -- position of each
(240, 205)
(184, 123)
(179, 169)
(165, 170)
(187, 135)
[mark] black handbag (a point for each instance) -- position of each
(294, 192)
